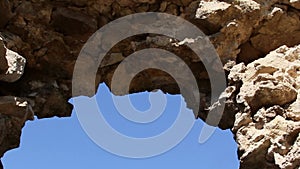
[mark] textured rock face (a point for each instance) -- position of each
(267, 124)
(5, 13)
(14, 111)
(12, 64)
(262, 98)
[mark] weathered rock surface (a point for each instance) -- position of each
(14, 111)
(267, 123)
(12, 64)
(5, 13)
(262, 98)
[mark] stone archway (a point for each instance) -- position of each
(262, 98)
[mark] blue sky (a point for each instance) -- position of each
(62, 143)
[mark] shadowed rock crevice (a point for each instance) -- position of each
(262, 98)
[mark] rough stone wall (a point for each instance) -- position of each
(265, 94)
(14, 111)
(262, 98)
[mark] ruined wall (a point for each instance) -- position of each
(262, 98)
